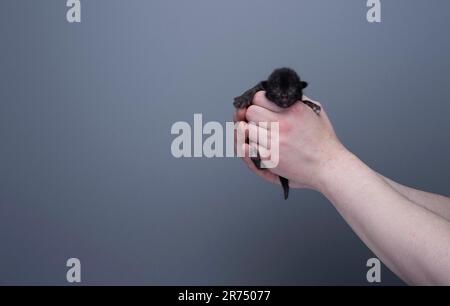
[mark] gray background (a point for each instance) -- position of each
(85, 116)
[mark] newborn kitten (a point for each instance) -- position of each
(284, 88)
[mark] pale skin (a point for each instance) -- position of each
(408, 229)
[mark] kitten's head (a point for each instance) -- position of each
(284, 87)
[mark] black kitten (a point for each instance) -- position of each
(284, 88)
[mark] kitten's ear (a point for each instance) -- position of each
(304, 84)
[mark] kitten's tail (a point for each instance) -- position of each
(285, 184)
(284, 181)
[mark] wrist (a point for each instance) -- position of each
(332, 169)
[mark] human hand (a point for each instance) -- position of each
(307, 142)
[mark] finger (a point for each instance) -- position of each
(239, 114)
(257, 113)
(259, 135)
(265, 174)
(240, 137)
(263, 152)
(260, 99)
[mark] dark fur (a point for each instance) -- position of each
(284, 88)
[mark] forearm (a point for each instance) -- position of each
(412, 241)
(436, 203)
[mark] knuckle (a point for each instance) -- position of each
(298, 108)
(259, 97)
(251, 111)
(284, 128)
